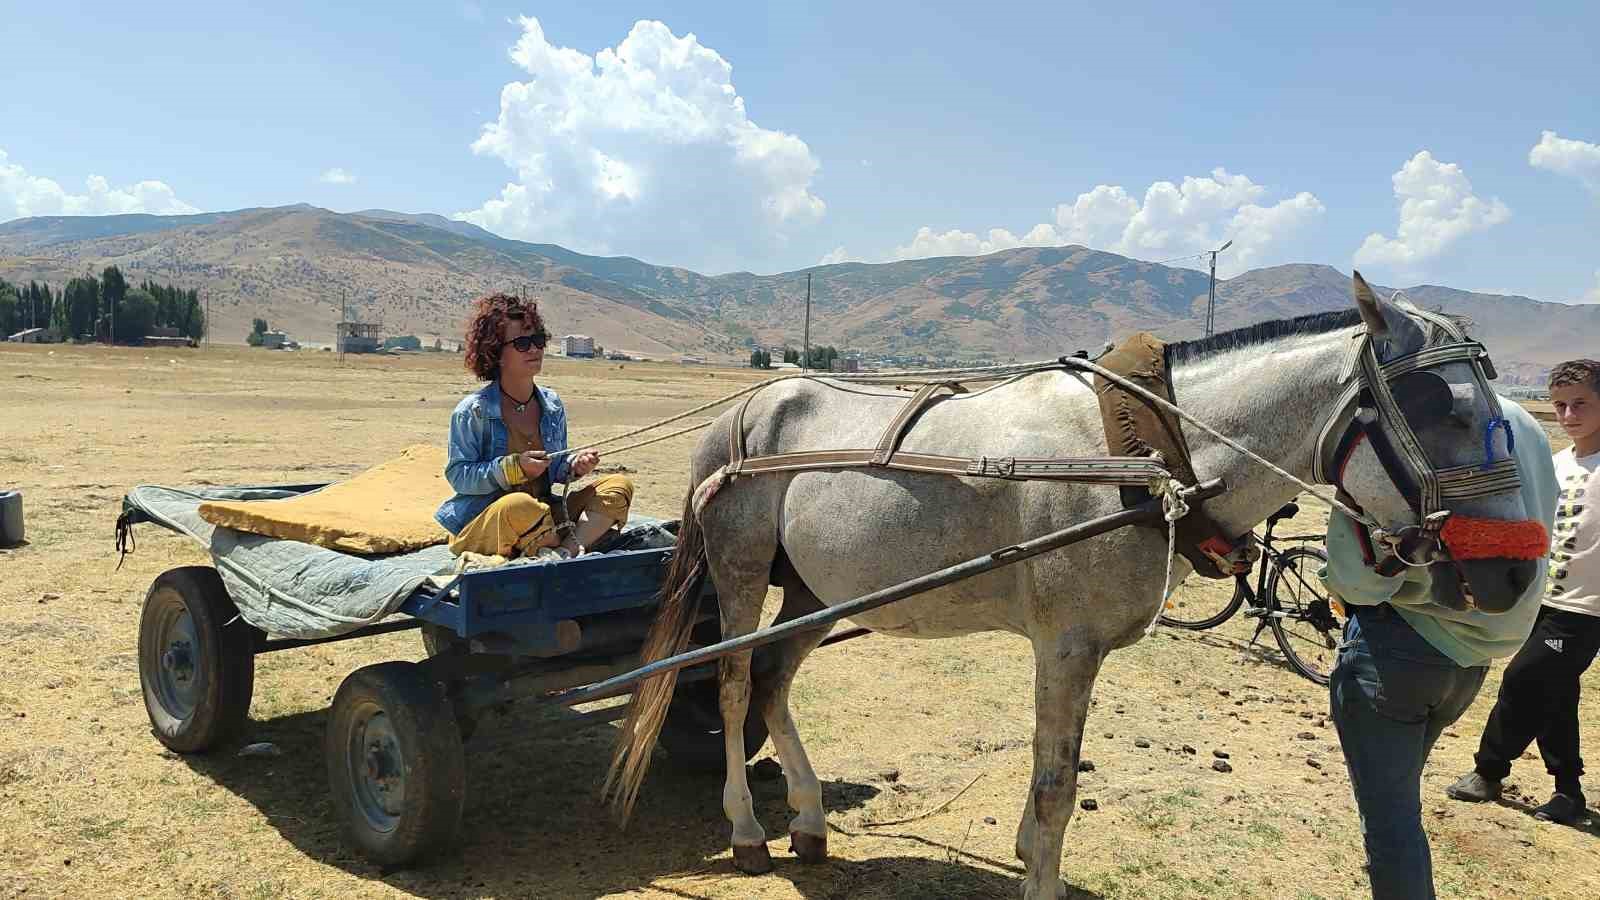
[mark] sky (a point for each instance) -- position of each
(1452, 143)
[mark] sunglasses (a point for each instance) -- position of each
(529, 341)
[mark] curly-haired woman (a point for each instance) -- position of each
(504, 444)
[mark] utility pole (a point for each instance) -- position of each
(1211, 300)
(805, 358)
(338, 331)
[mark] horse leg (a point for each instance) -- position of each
(1064, 673)
(808, 830)
(749, 840)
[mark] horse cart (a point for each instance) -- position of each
(563, 632)
(395, 732)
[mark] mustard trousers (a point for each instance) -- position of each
(518, 524)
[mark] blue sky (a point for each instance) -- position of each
(1412, 144)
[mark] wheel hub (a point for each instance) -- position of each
(175, 660)
(379, 770)
(178, 661)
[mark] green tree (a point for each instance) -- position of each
(258, 327)
(113, 288)
(10, 311)
(136, 315)
(191, 322)
(81, 298)
(791, 355)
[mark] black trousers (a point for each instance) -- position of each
(1539, 698)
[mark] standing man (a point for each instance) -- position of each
(1408, 668)
(1539, 694)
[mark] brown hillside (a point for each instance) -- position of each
(416, 274)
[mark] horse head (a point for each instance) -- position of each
(1422, 449)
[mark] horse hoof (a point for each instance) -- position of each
(809, 848)
(753, 860)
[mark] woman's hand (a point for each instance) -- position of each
(584, 463)
(533, 462)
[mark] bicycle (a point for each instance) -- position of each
(1287, 597)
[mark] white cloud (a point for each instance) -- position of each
(836, 255)
(337, 176)
(1437, 208)
(1564, 156)
(1196, 214)
(23, 195)
(644, 148)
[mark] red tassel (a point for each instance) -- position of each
(1469, 537)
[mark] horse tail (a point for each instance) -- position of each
(668, 636)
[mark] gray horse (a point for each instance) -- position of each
(828, 536)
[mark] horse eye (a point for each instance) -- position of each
(1424, 398)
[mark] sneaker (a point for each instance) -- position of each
(1564, 809)
(1474, 788)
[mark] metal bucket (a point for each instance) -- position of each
(10, 518)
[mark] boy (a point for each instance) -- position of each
(1539, 693)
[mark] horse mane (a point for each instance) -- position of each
(1260, 333)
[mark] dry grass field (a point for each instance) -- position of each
(92, 806)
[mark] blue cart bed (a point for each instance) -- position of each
(301, 592)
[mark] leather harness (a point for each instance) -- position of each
(1145, 446)
(1136, 427)
(1368, 412)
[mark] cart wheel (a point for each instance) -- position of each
(395, 765)
(196, 660)
(437, 639)
(692, 732)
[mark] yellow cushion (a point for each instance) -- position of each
(386, 509)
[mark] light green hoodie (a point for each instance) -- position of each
(1469, 637)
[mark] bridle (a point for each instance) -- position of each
(1370, 410)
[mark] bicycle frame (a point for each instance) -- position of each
(1270, 556)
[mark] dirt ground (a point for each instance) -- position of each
(92, 805)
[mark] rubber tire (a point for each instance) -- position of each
(1212, 622)
(430, 746)
(437, 639)
(1319, 556)
(692, 731)
(226, 653)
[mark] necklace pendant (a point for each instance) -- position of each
(522, 407)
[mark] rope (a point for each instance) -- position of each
(1173, 508)
(983, 373)
(973, 373)
(1313, 490)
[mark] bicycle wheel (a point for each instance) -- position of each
(1305, 620)
(1198, 610)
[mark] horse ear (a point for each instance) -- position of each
(1367, 303)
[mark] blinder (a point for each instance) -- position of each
(1380, 406)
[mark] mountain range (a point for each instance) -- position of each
(297, 266)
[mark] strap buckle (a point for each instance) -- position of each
(999, 466)
(1418, 546)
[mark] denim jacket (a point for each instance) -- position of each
(478, 438)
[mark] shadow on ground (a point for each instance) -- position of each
(533, 825)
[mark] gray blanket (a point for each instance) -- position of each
(291, 588)
(298, 590)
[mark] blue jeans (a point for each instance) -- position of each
(1391, 695)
